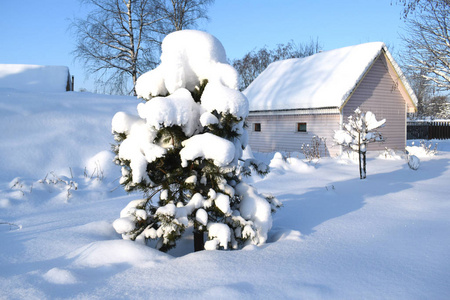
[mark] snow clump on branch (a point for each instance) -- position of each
(188, 57)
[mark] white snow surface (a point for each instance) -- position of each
(34, 78)
(321, 80)
(336, 236)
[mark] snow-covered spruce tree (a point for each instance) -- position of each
(184, 151)
(359, 131)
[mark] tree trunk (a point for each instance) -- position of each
(359, 156)
(199, 240)
(364, 165)
(134, 82)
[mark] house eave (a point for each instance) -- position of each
(296, 111)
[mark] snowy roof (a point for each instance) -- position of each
(323, 80)
(34, 78)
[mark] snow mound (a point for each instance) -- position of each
(100, 164)
(60, 276)
(98, 229)
(285, 234)
(280, 164)
(112, 252)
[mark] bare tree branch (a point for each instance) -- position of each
(428, 42)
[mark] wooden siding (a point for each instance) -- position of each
(279, 132)
(379, 92)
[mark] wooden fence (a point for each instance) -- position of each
(428, 130)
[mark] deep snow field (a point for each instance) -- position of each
(336, 236)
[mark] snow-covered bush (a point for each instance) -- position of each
(359, 131)
(185, 148)
(423, 150)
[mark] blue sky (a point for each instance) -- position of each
(37, 32)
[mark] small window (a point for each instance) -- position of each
(301, 127)
(257, 127)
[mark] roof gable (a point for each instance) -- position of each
(322, 80)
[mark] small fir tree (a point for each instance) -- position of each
(359, 131)
(185, 149)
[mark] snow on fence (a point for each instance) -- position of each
(428, 130)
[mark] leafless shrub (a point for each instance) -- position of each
(316, 149)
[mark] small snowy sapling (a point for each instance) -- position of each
(185, 149)
(359, 131)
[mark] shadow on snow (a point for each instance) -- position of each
(304, 212)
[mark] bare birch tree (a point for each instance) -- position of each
(428, 41)
(183, 14)
(120, 39)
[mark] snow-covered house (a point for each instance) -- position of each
(35, 78)
(295, 99)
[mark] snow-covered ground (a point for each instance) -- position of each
(336, 237)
